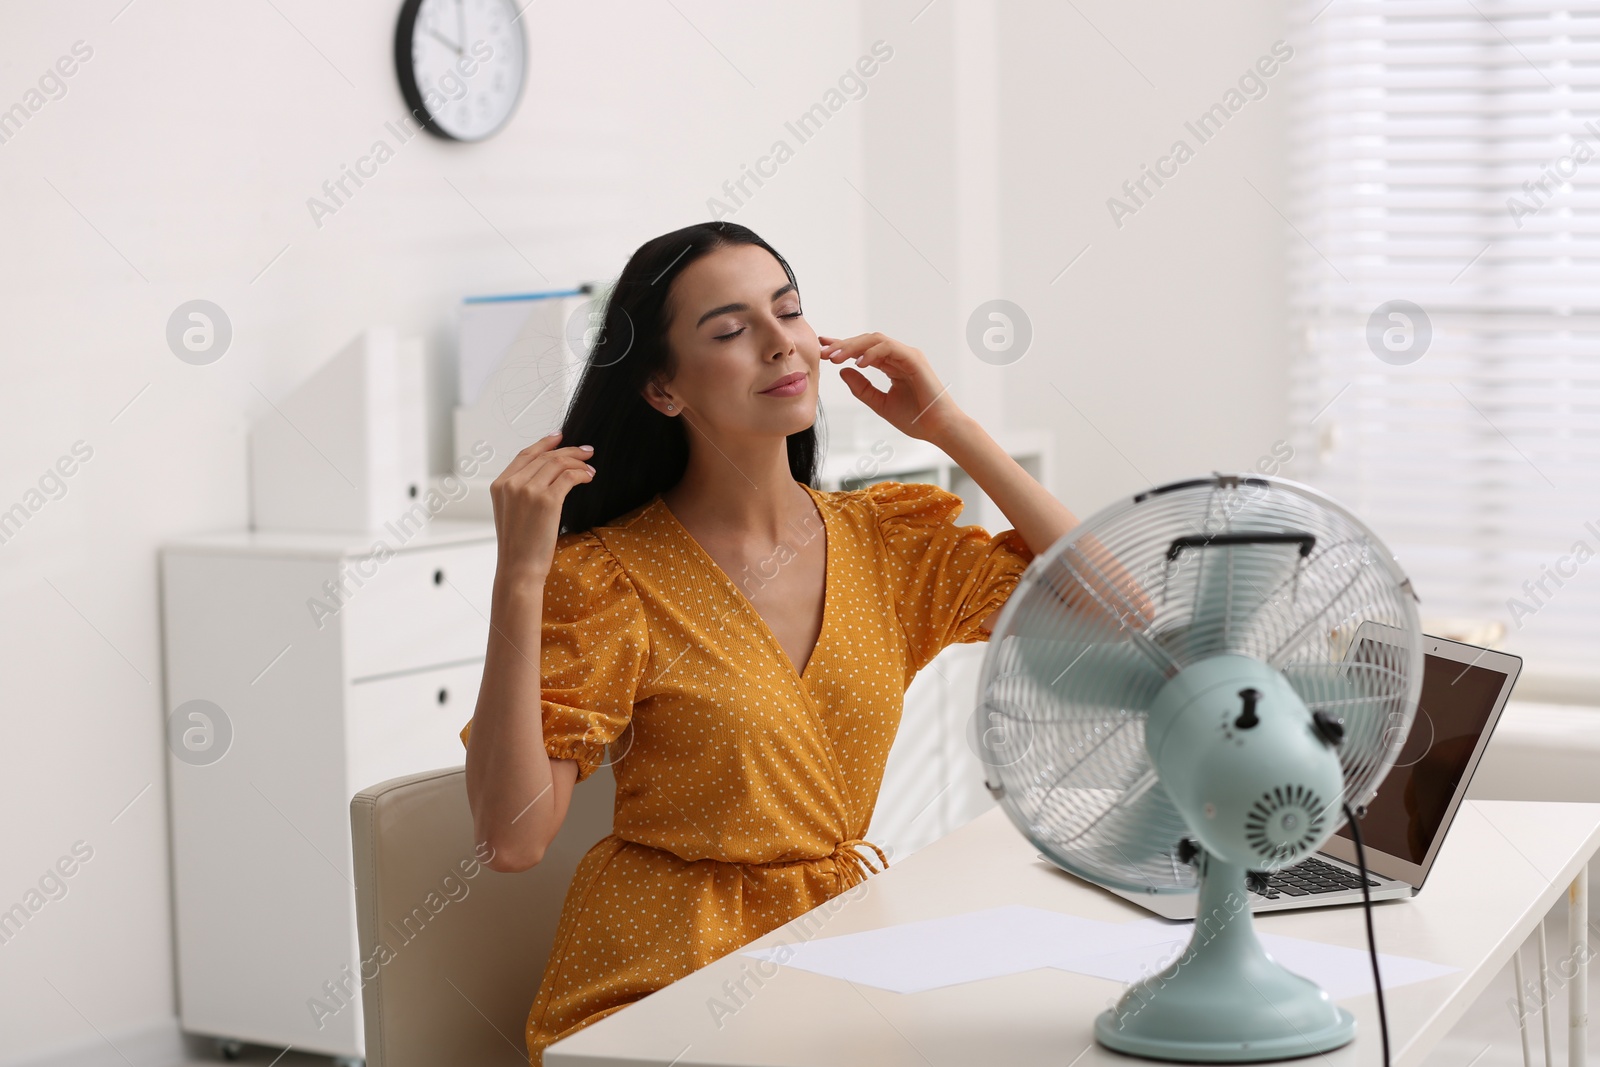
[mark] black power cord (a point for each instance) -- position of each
(1372, 938)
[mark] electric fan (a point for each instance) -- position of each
(1175, 697)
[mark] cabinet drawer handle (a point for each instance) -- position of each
(438, 577)
(444, 695)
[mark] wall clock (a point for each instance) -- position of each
(461, 64)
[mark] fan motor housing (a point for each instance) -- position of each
(1239, 754)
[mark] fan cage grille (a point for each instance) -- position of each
(1075, 659)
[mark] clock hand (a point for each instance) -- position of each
(461, 24)
(453, 46)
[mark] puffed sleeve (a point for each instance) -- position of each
(594, 645)
(946, 578)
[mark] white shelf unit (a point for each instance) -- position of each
(319, 708)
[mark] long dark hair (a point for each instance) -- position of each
(638, 451)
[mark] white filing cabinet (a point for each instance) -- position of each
(322, 695)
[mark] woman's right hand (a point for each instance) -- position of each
(527, 500)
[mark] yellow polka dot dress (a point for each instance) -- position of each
(744, 786)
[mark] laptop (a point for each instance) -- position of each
(1464, 690)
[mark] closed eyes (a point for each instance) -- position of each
(730, 336)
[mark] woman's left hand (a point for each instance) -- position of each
(916, 404)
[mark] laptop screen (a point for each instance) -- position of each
(1455, 705)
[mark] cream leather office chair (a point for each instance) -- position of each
(451, 959)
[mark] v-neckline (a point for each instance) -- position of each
(800, 673)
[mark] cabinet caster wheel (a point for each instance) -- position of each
(229, 1049)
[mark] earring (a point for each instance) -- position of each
(669, 407)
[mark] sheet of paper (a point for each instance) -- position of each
(1342, 971)
(914, 957)
(1347, 972)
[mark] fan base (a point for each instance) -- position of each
(1127, 1039)
(1224, 999)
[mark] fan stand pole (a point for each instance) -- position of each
(1224, 1000)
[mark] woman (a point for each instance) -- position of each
(748, 720)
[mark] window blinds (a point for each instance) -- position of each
(1448, 154)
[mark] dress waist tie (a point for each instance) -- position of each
(851, 866)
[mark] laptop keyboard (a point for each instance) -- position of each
(1310, 877)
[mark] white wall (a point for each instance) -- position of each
(989, 158)
(1169, 334)
(178, 166)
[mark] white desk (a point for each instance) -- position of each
(1503, 867)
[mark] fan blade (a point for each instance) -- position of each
(1232, 585)
(1127, 837)
(1369, 698)
(1101, 672)
(1070, 653)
